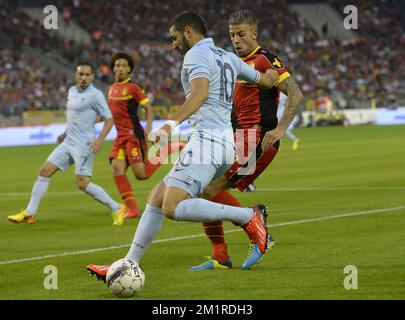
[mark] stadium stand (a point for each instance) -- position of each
(363, 71)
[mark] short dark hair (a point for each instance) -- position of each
(191, 19)
(85, 63)
(243, 16)
(122, 55)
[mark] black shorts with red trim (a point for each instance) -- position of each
(251, 159)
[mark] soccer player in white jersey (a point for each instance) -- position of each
(208, 77)
(77, 146)
(288, 132)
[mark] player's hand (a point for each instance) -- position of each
(269, 78)
(60, 138)
(271, 137)
(95, 146)
(160, 136)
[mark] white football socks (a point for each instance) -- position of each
(291, 135)
(102, 196)
(38, 191)
(201, 210)
(147, 229)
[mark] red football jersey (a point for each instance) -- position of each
(124, 98)
(254, 105)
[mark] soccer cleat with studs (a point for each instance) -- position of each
(256, 227)
(296, 144)
(131, 214)
(213, 264)
(98, 271)
(23, 216)
(254, 255)
(118, 216)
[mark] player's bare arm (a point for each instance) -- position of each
(294, 98)
(60, 138)
(95, 147)
(149, 117)
(268, 79)
(196, 98)
(99, 119)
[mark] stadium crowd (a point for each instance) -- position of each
(372, 66)
(353, 72)
(26, 84)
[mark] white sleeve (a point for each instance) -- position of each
(244, 72)
(102, 106)
(196, 64)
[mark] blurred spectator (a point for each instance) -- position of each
(25, 84)
(366, 70)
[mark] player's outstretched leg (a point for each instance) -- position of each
(256, 228)
(125, 190)
(219, 259)
(38, 192)
(215, 232)
(99, 194)
(252, 220)
(255, 254)
(147, 229)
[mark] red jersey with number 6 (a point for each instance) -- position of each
(124, 98)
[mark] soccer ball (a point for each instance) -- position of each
(125, 278)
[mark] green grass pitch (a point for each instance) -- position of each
(339, 200)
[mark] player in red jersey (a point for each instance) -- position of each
(130, 148)
(257, 135)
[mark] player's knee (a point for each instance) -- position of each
(81, 186)
(209, 193)
(155, 198)
(168, 208)
(156, 195)
(117, 171)
(141, 176)
(45, 172)
(82, 183)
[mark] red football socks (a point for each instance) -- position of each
(215, 230)
(125, 190)
(224, 197)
